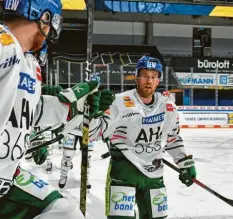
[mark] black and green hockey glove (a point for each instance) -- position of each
(188, 170)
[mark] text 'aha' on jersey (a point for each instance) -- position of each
(26, 116)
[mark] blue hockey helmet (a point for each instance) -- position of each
(149, 62)
(33, 10)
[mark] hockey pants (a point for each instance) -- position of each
(126, 187)
(31, 197)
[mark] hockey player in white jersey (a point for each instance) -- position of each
(101, 101)
(136, 124)
(68, 144)
(45, 153)
(27, 23)
(69, 147)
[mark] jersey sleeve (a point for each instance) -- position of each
(50, 110)
(104, 126)
(174, 143)
(9, 78)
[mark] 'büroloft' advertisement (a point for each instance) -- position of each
(203, 71)
(202, 65)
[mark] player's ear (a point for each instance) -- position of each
(136, 81)
(45, 19)
(136, 78)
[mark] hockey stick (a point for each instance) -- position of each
(105, 155)
(86, 118)
(228, 201)
(65, 129)
(46, 143)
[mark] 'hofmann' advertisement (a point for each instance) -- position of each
(196, 79)
(202, 65)
(205, 79)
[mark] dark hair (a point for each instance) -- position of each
(12, 17)
(138, 72)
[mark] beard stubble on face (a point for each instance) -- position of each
(37, 41)
(146, 90)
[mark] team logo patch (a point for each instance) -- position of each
(6, 39)
(27, 83)
(127, 98)
(128, 102)
(153, 119)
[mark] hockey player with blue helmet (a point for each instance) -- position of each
(149, 72)
(46, 14)
(151, 63)
(136, 124)
(27, 25)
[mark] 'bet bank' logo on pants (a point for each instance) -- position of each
(159, 202)
(32, 185)
(122, 201)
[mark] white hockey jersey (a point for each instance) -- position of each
(20, 90)
(137, 130)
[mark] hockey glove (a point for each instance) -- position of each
(100, 102)
(77, 95)
(94, 103)
(39, 156)
(188, 170)
(106, 99)
(51, 90)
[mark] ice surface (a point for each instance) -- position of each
(213, 153)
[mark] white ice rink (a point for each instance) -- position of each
(213, 153)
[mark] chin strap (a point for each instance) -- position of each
(42, 23)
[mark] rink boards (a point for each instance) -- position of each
(205, 116)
